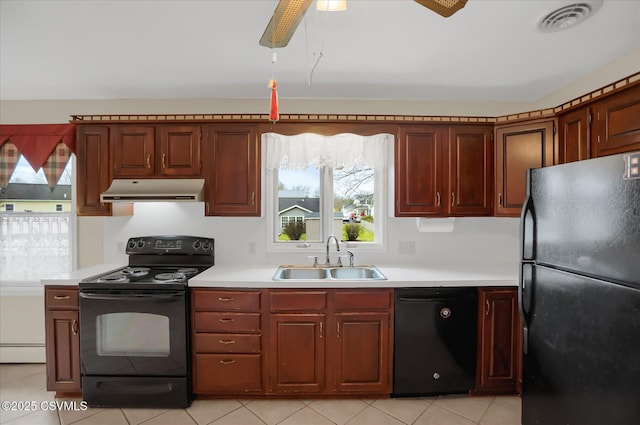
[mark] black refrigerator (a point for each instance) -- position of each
(579, 293)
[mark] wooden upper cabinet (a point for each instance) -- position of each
(418, 174)
(232, 170)
(133, 150)
(180, 150)
(156, 151)
(616, 123)
(470, 171)
(94, 169)
(518, 148)
(573, 136)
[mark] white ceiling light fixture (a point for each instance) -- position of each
(331, 5)
(569, 16)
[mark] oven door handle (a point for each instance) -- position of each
(131, 296)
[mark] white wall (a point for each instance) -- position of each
(242, 240)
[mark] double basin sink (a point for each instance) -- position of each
(328, 273)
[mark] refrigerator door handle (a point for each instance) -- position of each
(527, 228)
(524, 298)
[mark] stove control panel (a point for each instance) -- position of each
(170, 245)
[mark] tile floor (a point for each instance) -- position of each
(27, 383)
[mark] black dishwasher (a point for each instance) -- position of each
(435, 341)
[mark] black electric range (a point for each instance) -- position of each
(134, 325)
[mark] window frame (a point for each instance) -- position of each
(326, 214)
(30, 286)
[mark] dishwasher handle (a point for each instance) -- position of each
(425, 299)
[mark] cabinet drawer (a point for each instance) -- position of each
(213, 321)
(226, 300)
(61, 298)
(363, 300)
(227, 343)
(298, 300)
(227, 373)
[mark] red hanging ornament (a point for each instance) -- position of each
(274, 116)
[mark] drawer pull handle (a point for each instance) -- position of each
(227, 341)
(61, 297)
(74, 327)
(227, 320)
(226, 299)
(227, 361)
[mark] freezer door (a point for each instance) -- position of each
(582, 364)
(584, 217)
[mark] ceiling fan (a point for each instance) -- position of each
(289, 13)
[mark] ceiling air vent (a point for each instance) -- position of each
(568, 16)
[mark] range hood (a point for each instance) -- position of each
(154, 190)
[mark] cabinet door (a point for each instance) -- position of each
(94, 170)
(573, 137)
(470, 171)
(616, 122)
(62, 351)
(297, 353)
(180, 150)
(133, 151)
(418, 171)
(232, 167)
(360, 356)
(498, 351)
(518, 148)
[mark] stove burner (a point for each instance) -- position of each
(135, 271)
(113, 278)
(169, 277)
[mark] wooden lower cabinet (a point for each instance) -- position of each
(292, 342)
(499, 339)
(227, 341)
(62, 340)
(297, 353)
(361, 357)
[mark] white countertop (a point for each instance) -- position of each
(260, 276)
(74, 277)
(397, 276)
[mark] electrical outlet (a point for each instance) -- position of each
(407, 247)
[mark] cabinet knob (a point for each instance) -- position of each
(227, 362)
(164, 157)
(453, 199)
(438, 199)
(499, 199)
(148, 160)
(227, 320)
(227, 341)
(61, 297)
(226, 299)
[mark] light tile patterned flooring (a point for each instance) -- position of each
(27, 383)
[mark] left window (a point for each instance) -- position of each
(36, 225)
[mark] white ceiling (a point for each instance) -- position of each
(396, 49)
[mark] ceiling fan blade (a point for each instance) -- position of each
(445, 8)
(284, 22)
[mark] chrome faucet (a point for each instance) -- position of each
(328, 262)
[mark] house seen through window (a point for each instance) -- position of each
(35, 225)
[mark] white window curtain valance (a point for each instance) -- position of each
(342, 150)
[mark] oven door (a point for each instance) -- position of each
(133, 333)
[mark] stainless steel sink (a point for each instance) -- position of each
(356, 273)
(328, 273)
(300, 273)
